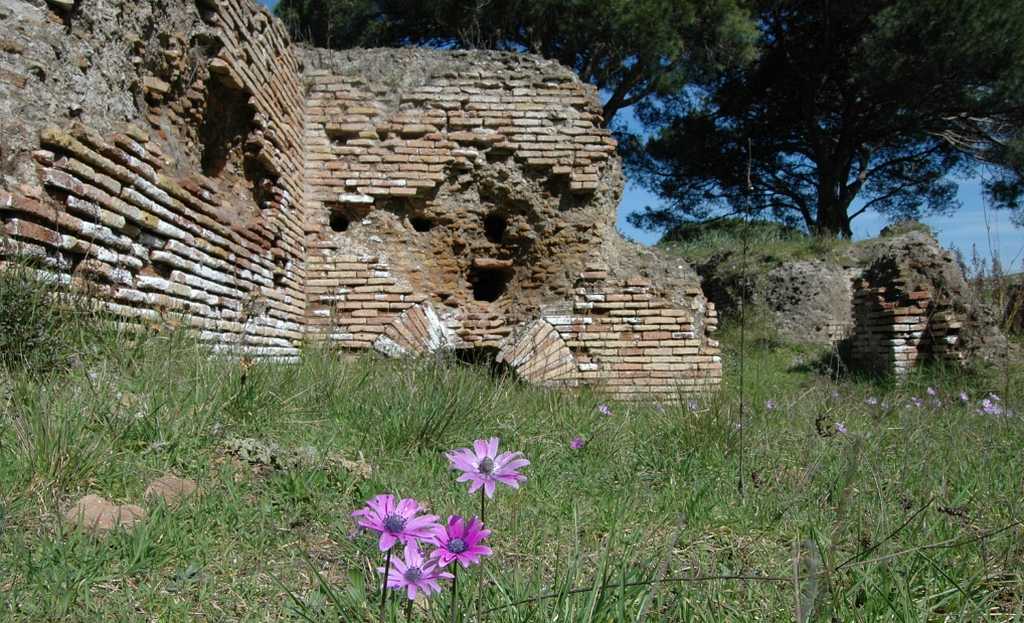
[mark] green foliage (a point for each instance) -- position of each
(41, 320)
(622, 530)
(682, 39)
(851, 106)
(900, 228)
(769, 244)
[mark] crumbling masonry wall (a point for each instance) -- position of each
(158, 216)
(191, 165)
(476, 198)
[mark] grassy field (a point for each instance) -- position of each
(912, 514)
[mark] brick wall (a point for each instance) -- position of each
(896, 328)
(407, 201)
(410, 179)
(129, 215)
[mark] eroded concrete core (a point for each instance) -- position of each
(186, 160)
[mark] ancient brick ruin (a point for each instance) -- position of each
(188, 161)
(912, 305)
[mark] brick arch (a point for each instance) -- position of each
(538, 354)
(416, 331)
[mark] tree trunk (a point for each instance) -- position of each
(833, 218)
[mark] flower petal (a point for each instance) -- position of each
(387, 540)
(407, 507)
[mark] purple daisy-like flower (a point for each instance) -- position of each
(917, 402)
(459, 541)
(871, 401)
(964, 398)
(840, 428)
(577, 442)
(482, 466)
(396, 522)
(991, 407)
(604, 409)
(413, 574)
(931, 392)
(769, 405)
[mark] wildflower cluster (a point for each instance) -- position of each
(403, 521)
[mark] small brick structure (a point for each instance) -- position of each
(912, 305)
(409, 201)
(895, 329)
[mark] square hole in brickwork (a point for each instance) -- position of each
(339, 221)
(495, 225)
(342, 216)
(489, 283)
(421, 223)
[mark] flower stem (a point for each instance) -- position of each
(408, 610)
(480, 568)
(384, 584)
(455, 591)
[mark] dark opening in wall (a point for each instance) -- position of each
(339, 221)
(421, 223)
(478, 356)
(494, 227)
(341, 216)
(489, 283)
(226, 124)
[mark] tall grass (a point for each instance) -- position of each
(910, 515)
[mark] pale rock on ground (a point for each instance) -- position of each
(99, 515)
(171, 489)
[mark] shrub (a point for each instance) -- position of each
(39, 319)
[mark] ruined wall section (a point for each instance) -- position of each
(624, 336)
(190, 207)
(467, 200)
(478, 182)
(913, 305)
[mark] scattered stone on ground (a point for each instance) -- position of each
(270, 454)
(99, 516)
(171, 489)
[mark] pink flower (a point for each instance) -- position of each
(396, 522)
(414, 574)
(840, 428)
(577, 442)
(460, 541)
(604, 409)
(484, 467)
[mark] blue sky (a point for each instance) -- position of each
(989, 231)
